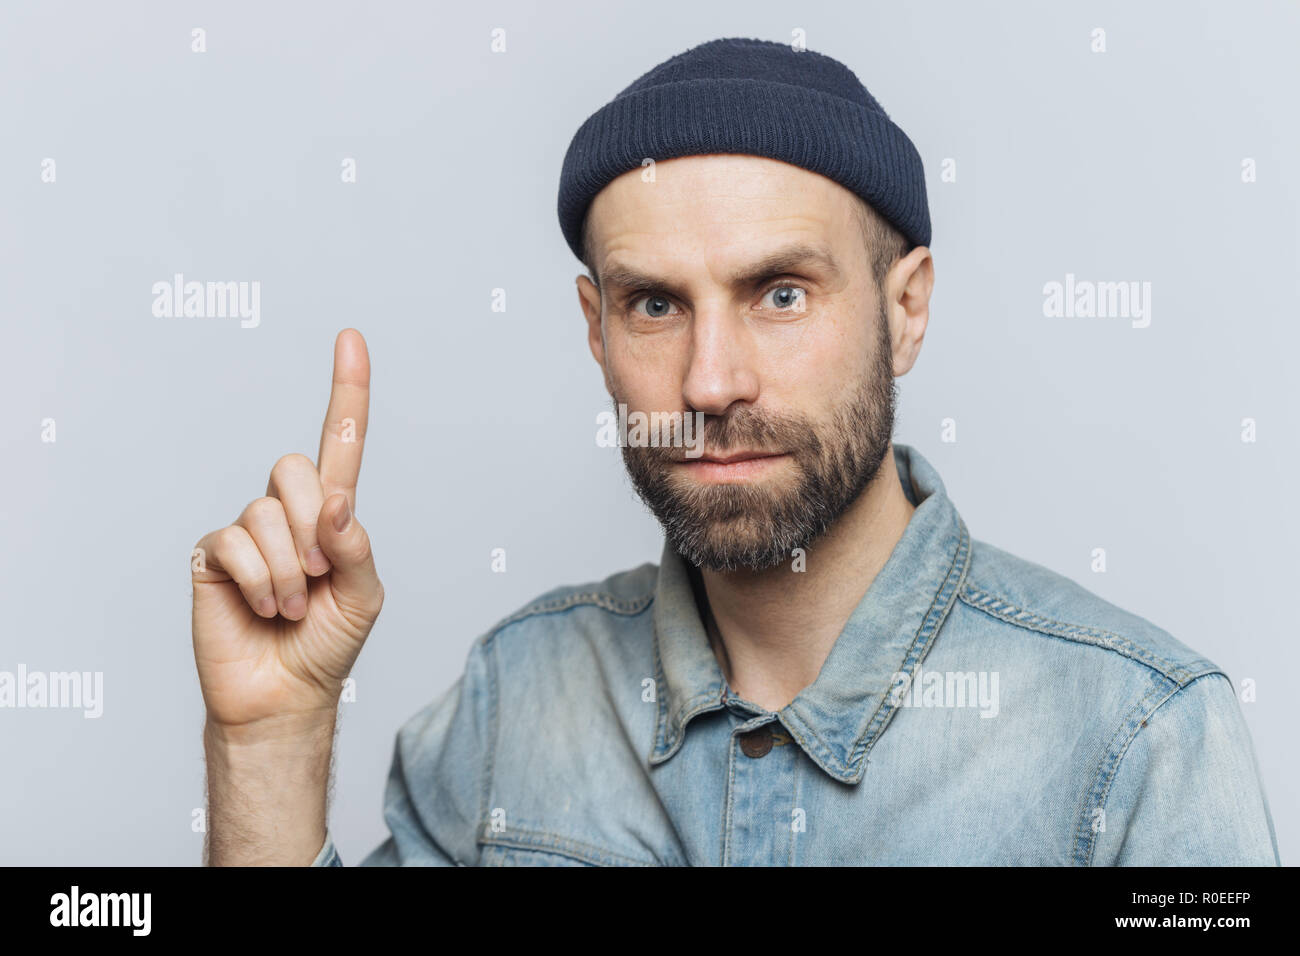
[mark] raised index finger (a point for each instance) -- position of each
(344, 433)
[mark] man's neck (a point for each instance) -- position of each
(772, 630)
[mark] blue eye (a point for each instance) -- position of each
(787, 298)
(657, 306)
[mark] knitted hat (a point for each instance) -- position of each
(756, 97)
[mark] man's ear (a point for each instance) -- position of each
(907, 301)
(589, 301)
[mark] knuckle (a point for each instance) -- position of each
(361, 552)
(227, 539)
(294, 463)
(369, 601)
(256, 583)
(264, 510)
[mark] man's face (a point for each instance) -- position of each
(740, 287)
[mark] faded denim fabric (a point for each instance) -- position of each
(976, 709)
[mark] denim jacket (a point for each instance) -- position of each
(976, 709)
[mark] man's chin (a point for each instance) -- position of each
(732, 501)
(727, 545)
(728, 562)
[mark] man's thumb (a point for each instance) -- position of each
(353, 578)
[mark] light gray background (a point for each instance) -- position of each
(1073, 434)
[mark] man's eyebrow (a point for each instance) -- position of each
(789, 259)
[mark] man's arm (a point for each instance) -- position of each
(1187, 791)
(266, 795)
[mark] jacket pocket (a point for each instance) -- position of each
(497, 855)
(520, 847)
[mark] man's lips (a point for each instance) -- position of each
(737, 466)
(730, 457)
(737, 456)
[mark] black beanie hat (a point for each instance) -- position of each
(756, 97)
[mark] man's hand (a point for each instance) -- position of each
(284, 598)
(290, 592)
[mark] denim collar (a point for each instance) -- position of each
(838, 717)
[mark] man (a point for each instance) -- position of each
(824, 667)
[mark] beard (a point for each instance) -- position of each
(757, 525)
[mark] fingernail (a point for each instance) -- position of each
(343, 518)
(296, 605)
(317, 563)
(267, 607)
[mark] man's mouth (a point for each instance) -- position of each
(732, 466)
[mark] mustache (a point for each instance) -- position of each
(743, 429)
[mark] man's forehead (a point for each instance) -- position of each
(714, 199)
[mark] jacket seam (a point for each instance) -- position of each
(1109, 767)
(661, 703)
(489, 765)
(794, 834)
(544, 841)
(1009, 613)
(730, 804)
(629, 607)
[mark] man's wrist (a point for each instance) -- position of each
(267, 792)
(289, 730)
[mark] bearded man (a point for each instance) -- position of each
(755, 232)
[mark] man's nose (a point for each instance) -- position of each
(721, 370)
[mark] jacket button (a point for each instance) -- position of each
(757, 742)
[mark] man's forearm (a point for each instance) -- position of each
(267, 793)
